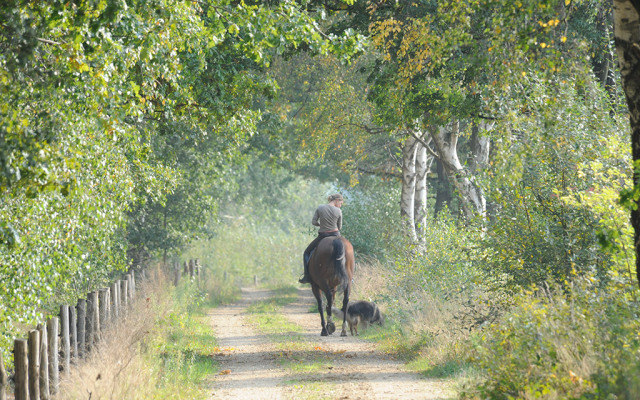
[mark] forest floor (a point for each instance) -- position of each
(303, 364)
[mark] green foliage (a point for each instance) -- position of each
(576, 343)
(554, 188)
(370, 217)
(120, 124)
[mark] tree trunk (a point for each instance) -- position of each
(443, 190)
(423, 165)
(626, 23)
(407, 199)
(471, 195)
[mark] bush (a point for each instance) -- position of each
(579, 342)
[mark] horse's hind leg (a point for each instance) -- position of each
(316, 292)
(331, 327)
(345, 310)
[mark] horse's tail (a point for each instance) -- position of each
(339, 261)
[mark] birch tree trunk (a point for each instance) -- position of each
(626, 27)
(407, 199)
(423, 165)
(471, 195)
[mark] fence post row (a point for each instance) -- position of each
(36, 360)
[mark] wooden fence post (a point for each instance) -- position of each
(115, 299)
(191, 268)
(4, 380)
(21, 364)
(74, 331)
(54, 377)
(103, 302)
(132, 286)
(34, 365)
(82, 324)
(92, 320)
(66, 340)
(124, 296)
(108, 304)
(44, 363)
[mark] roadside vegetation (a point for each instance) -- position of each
(162, 349)
(482, 148)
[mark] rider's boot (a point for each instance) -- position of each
(305, 278)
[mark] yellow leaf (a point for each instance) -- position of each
(543, 45)
(563, 39)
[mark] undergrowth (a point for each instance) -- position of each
(162, 349)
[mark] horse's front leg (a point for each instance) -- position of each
(345, 310)
(331, 327)
(316, 292)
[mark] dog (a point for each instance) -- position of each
(361, 313)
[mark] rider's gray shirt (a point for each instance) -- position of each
(328, 218)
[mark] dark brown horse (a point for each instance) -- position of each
(331, 265)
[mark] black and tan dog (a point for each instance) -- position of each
(361, 313)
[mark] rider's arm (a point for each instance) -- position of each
(316, 217)
(339, 222)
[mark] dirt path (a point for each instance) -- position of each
(356, 370)
(246, 357)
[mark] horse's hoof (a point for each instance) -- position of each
(344, 333)
(331, 327)
(324, 333)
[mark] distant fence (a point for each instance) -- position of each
(54, 345)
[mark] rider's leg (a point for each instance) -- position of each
(305, 260)
(305, 278)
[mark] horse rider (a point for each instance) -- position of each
(329, 218)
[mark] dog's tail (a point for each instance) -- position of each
(337, 313)
(340, 259)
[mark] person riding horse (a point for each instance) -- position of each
(329, 218)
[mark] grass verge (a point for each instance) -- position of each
(162, 349)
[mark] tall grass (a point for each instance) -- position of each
(161, 349)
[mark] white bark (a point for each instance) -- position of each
(423, 165)
(407, 199)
